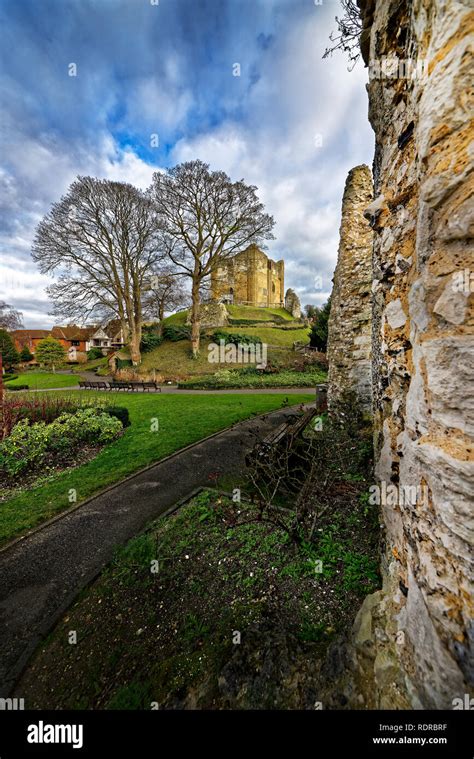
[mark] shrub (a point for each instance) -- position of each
(123, 363)
(8, 377)
(234, 378)
(43, 408)
(10, 355)
(149, 341)
(119, 412)
(318, 337)
(19, 387)
(28, 445)
(50, 352)
(26, 354)
(25, 448)
(175, 333)
(235, 338)
(94, 353)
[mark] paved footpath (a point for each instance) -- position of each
(41, 574)
(173, 390)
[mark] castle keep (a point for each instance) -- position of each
(249, 278)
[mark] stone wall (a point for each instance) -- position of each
(349, 340)
(292, 303)
(414, 639)
(250, 278)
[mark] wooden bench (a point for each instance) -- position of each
(284, 433)
(135, 386)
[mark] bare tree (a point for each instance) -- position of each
(103, 239)
(10, 318)
(205, 218)
(165, 292)
(346, 38)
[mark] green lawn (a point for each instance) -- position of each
(43, 380)
(272, 336)
(238, 312)
(258, 314)
(182, 420)
(90, 366)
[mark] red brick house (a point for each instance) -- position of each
(28, 337)
(75, 340)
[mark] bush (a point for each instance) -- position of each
(175, 333)
(29, 445)
(40, 408)
(119, 412)
(235, 378)
(318, 337)
(19, 387)
(8, 377)
(235, 338)
(94, 353)
(25, 448)
(149, 341)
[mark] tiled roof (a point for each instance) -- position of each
(72, 332)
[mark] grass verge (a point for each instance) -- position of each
(43, 380)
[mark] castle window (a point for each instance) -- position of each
(273, 288)
(269, 263)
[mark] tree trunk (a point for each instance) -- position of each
(195, 318)
(161, 316)
(134, 346)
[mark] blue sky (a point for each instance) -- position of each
(166, 70)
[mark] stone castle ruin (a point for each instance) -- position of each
(350, 319)
(407, 341)
(249, 278)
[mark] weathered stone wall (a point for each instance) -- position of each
(349, 340)
(292, 303)
(414, 640)
(211, 315)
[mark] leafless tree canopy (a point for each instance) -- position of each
(346, 38)
(10, 319)
(103, 240)
(165, 292)
(204, 218)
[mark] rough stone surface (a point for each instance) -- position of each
(349, 341)
(212, 315)
(249, 278)
(412, 645)
(292, 303)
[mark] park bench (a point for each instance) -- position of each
(119, 385)
(134, 386)
(285, 433)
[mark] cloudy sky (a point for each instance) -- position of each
(291, 123)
